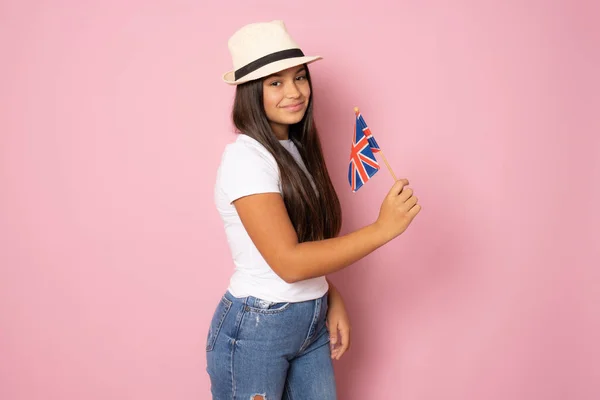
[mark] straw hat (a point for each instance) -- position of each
(261, 49)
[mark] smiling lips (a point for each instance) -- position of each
(294, 107)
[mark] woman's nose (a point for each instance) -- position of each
(292, 91)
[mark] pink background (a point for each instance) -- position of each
(112, 256)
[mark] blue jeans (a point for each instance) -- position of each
(275, 350)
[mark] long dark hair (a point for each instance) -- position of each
(314, 217)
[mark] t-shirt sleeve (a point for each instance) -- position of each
(246, 170)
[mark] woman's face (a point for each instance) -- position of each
(285, 97)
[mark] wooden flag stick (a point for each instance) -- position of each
(388, 166)
(380, 151)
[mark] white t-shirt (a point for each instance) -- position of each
(247, 168)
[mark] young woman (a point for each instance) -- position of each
(269, 335)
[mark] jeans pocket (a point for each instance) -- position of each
(217, 322)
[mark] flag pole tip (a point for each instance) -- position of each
(356, 110)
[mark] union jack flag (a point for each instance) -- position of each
(361, 122)
(363, 164)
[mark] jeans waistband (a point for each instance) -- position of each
(253, 301)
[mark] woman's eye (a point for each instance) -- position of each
(275, 83)
(301, 78)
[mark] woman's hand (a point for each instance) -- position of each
(338, 324)
(398, 210)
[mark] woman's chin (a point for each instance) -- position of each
(291, 118)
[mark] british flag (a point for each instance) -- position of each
(363, 164)
(361, 122)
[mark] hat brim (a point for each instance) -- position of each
(277, 66)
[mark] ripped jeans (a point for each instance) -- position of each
(274, 350)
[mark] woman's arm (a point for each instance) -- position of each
(265, 218)
(338, 323)
(334, 297)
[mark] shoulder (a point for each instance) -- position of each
(246, 168)
(247, 151)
